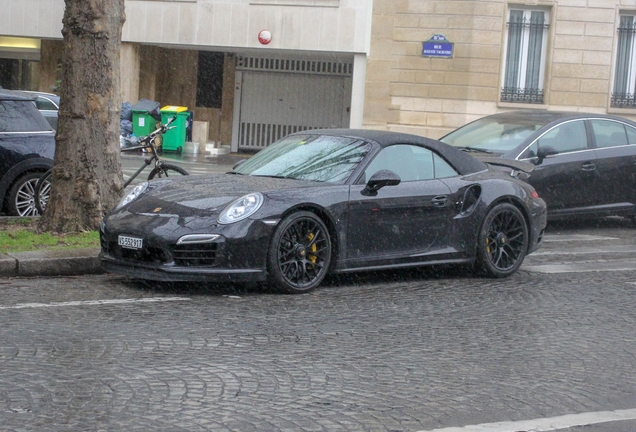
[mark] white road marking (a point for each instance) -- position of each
(575, 237)
(547, 424)
(94, 302)
(574, 268)
(586, 252)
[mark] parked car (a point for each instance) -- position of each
(48, 104)
(27, 146)
(585, 163)
(330, 201)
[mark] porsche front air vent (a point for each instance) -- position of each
(195, 254)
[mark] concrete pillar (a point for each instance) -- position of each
(129, 72)
(357, 90)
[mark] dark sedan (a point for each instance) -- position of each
(330, 201)
(27, 146)
(585, 163)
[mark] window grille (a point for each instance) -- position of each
(525, 56)
(625, 72)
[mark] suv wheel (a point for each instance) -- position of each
(21, 200)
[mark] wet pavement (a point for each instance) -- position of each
(391, 351)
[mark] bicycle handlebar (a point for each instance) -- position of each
(162, 128)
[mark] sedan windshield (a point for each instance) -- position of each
(493, 134)
(308, 157)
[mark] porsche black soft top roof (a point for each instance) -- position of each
(463, 162)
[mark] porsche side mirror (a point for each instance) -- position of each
(545, 152)
(379, 180)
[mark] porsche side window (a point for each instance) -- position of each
(442, 168)
(410, 162)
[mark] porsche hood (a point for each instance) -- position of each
(206, 195)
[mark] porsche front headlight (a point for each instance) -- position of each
(241, 208)
(132, 195)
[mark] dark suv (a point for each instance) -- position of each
(27, 145)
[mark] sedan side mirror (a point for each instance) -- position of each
(545, 152)
(379, 180)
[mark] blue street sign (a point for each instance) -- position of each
(438, 46)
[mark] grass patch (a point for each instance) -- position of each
(20, 235)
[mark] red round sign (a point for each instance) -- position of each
(265, 37)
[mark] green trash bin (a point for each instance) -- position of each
(143, 123)
(145, 114)
(174, 139)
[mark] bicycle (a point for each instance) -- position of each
(147, 143)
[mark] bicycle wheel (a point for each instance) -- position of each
(42, 190)
(166, 170)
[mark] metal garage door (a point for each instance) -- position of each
(282, 96)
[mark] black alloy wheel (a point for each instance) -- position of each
(503, 241)
(166, 170)
(299, 253)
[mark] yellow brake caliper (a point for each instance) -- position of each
(314, 248)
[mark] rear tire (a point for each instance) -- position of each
(166, 170)
(502, 243)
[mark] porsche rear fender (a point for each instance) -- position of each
(520, 206)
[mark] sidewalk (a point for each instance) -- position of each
(70, 262)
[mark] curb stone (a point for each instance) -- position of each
(61, 262)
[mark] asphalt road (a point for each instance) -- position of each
(392, 351)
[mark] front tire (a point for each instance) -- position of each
(166, 170)
(21, 200)
(503, 242)
(299, 254)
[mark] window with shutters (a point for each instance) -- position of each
(525, 55)
(625, 67)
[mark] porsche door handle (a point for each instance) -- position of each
(588, 166)
(440, 201)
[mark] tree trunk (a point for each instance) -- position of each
(87, 179)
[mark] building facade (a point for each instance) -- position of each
(253, 70)
(348, 63)
(574, 55)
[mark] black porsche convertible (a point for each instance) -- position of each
(327, 201)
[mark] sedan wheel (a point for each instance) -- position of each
(503, 241)
(22, 196)
(300, 253)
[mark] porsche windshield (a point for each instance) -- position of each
(308, 157)
(492, 134)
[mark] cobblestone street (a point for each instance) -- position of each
(393, 351)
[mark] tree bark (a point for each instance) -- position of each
(87, 179)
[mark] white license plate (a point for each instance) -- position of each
(130, 242)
